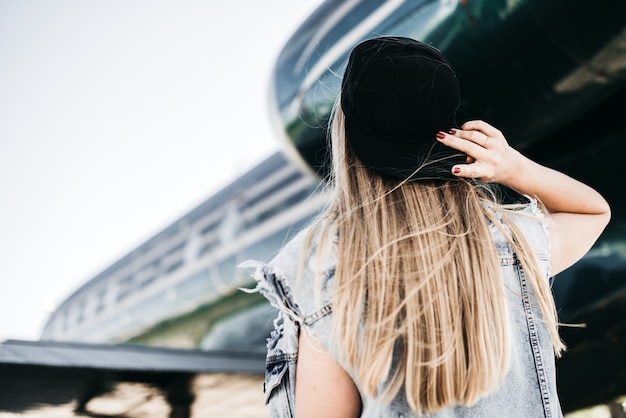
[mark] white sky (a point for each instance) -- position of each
(116, 118)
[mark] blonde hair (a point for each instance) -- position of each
(418, 280)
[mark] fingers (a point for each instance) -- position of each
(473, 167)
(468, 142)
(477, 137)
(470, 171)
(481, 126)
(484, 145)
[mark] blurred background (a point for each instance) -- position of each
(147, 148)
(116, 118)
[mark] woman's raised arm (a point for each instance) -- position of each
(578, 214)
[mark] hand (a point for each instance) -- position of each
(577, 212)
(489, 156)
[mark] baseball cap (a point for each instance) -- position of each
(396, 94)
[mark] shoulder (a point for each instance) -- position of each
(290, 280)
(530, 221)
(275, 279)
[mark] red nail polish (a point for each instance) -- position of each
(440, 135)
(456, 170)
(451, 131)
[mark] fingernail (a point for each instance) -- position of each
(440, 135)
(451, 131)
(456, 170)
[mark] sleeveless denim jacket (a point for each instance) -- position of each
(527, 391)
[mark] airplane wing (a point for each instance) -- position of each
(49, 379)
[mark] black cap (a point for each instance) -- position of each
(396, 94)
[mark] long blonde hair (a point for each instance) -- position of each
(418, 278)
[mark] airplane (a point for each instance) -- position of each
(550, 75)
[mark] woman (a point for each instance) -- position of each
(417, 292)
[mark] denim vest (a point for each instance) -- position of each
(528, 389)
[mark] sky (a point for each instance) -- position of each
(118, 117)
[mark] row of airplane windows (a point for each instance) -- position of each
(286, 187)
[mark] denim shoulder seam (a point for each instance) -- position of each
(271, 283)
